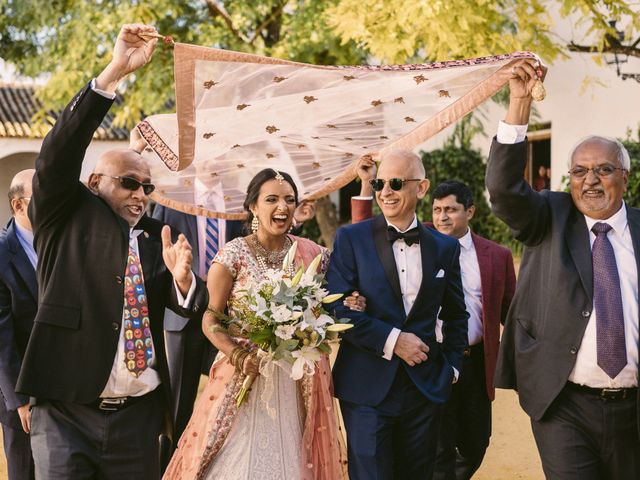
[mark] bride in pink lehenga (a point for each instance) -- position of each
(302, 440)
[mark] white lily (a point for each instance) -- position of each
(305, 357)
(339, 327)
(285, 332)
(312, 269)
(290, 256)
(332, 298)
(296, 278)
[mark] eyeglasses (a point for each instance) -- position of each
(394, 183)
(132, 184)
(601, 171)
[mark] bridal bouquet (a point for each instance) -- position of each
(284, 316)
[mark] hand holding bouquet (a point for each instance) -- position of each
(284, 316)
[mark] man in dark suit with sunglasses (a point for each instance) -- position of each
(391, 375)
(95, 361)
(570, 343)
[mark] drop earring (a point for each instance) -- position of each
(254, 224)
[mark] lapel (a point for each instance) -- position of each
(577, 238)
(385, 253)
(20, 261)
(192, 235)
(428, 248)
(633, 219)
(483, 253)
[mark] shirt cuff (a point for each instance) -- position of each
(456, 374)
(510, 134)
(390, 344)
(185, 302)
(104, 93)
(358, 197)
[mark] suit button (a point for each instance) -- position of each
(586, 313)
(196, 308)
(119, 278)
(115, 326)
(573, 350)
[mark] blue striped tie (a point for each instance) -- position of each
(212, 243)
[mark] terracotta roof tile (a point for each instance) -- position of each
(18, 104)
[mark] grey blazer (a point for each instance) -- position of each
(554, 294)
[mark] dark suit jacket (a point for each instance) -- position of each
(82, 250)
(498, 283)
(188, 225)
(363, 260)
(554, 296)
(18, 305)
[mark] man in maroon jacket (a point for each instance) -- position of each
(488, 280)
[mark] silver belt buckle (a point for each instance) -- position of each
(612, 393)
(111, 404)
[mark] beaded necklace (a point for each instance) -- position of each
(270, 259)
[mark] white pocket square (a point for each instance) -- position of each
(440, 274)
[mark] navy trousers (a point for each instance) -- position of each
(395, 440)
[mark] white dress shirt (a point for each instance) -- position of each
(410, 279)
(25, 237)
(213, 200)
(472, 287)
(586, 370)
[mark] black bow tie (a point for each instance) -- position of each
(410, 236)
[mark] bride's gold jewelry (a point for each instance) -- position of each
(270, 259)
(255, 223)
(538, 92)
(279, 177)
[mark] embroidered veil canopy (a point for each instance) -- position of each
(238, 113)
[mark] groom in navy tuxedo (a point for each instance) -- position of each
(391, 375)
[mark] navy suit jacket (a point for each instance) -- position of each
(363, 260)
(188, 226)
(18, 306)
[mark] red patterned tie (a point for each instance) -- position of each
(138, 346)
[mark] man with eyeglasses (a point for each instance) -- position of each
(95, 362)
(391, 375)
(18, 305)
(570, 343)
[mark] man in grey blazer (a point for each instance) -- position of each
(570, 343)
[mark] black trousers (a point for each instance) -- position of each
(73, 441)
(395, 440)
(17, 450)
(190, 354)
(466, 422)
(585, 437)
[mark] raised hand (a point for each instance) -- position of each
(524, 75)
(177, 257)
(366, 169)
(131, 51)
(411, 349)
(305, 211)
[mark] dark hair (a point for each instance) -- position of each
(15, 192)
(253, 190)
(458, 189)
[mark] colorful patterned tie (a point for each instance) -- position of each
(211, 243)
(607, 298)
(138, 346)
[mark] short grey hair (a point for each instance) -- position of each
(622, 153)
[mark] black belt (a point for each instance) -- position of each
(117, 403)
(604, 393)
(473, 350)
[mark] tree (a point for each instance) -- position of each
(401, 30)
(458, 160)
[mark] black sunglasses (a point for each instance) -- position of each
(132, 184)
(394, 183)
